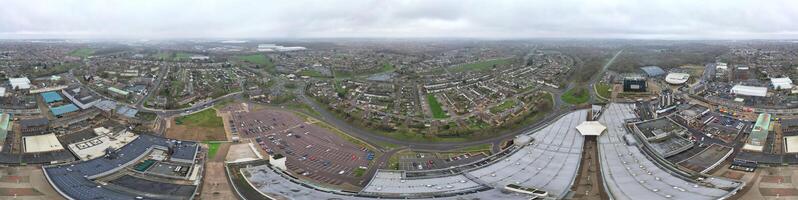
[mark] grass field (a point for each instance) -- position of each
(311, 73)
(503, 106)
(163, 56)
(436, 107)
(182, 56)
(213, 147)
(386, 68)
(254, 59)
(206, 118)
(604, 90)
(83, 52)
(576, 95)
(258, 59)
(481, 65)
(200, 126)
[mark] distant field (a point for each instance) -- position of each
(576, 95)
(503, 106)
(258, 59)
(83, 52)
(436, 107)
(481, 65)
(163, 56)
(311, 73)
(255, 59)
(182, 56)
(387, 68)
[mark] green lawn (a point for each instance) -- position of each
(83, 52)
(163, 56)
(503, 106)
(254, 59)
(481, 65)
(576, 95)
(182, 56)
(258, 59)
(436, 107)
(604, 90)
(213, 147)
(311, 73)
(206, 118)
(387, 68)
(359, 172)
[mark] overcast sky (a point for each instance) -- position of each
(168, 19)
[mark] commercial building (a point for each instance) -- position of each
(634, 84)
(61, 110)
(19, 83)
(50, 97)
(759, 134)
(677, 78)
(749, 91)
(42, 143)
(781, 83)
(652, 71)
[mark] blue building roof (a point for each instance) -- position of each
(61, 110)
(653, 71)
(50, 97)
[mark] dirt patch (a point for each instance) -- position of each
(15, 179)
(778, 191)
(19, 192)
(27, 183)
(195, 133)
(776, 179)
(733, 175)
(214, 185)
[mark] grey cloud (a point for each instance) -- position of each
(657, 19)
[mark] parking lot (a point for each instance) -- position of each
(311, 151)
(415, 161)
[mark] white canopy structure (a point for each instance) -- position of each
(749, 91)
(677, 78)
(781, 83)
(591, 128)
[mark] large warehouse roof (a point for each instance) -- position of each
(677, 78)
(61, 110)
(42, 143)
(50, 97)
(749, 90)
(781, 83)
(653, 70)
(19, 83)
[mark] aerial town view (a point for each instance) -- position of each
(360, 99)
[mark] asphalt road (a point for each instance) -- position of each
(595, 78)
(374, 138)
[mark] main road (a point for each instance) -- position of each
(375, 138)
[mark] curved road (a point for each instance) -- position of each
(432, 146)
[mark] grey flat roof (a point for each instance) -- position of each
(628, 174)
(550, 163)
(268, 181)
